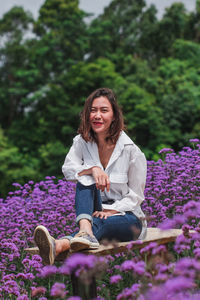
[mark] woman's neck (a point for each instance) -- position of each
(103, 143)
(101, 139)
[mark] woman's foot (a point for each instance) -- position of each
(46, 245)
(82, 240)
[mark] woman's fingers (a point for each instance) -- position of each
(97, 214)
(108, 185)
(101, 179)
(102, 182)
(101, 214)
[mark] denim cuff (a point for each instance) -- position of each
(68, 237)
(84, 216)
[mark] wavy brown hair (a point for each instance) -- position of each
(117, 124)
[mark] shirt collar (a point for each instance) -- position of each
(121, 142)
(124, 139)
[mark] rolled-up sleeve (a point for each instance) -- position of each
(74, 163)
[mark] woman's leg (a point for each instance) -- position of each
(87, 200)
(120, 228)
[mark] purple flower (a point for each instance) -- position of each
(188, 267)
(23, 297)
(177, 221)
(159, 249)
(194, 140)
(166, 150)
(38, 291)
(128, 265)
(197, 253)
(128, 293)
(178, 284)
(156, 293)
(115, 279)
(25, 276)
(149, 247)
(78, 261)
(48, 271)
(182, 243)
(137, 267)
(172, 199)
(58, 290)
(11, 287)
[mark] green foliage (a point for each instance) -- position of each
(179, 98)
(49, 66)
(52, 155)
(115, 33)
(62, 35)
(14, 23)
(14, 167)
(143, 118)
(186, 50)
(17, 78)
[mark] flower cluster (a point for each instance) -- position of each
(172, 201)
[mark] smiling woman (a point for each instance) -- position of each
(100, 110)
(101, 116)
(111, 174)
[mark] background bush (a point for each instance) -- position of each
(50, 65)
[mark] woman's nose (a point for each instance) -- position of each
(98, 114)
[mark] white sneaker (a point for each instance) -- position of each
(46, 244)
(82, 240)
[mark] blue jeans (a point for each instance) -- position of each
(122, 227)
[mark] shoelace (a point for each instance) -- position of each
(81, 233)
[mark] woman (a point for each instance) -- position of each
(111, 174)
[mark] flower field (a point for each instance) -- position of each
(154, 272)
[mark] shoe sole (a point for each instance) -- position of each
(42, 239)
(78, 244)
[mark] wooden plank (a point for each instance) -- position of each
(153, 235)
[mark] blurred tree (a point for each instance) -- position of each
(171, 27)
(143, 117)
(49, 67)
(179, 97)
(14, 167)
(187, 50)
(148, 27)
(193, 26)
(16, 78)
(56, 116)
(115, 33)
(62, 35)
(129, 28)
(52, 157)
(60, 43)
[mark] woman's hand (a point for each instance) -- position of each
(104, 214)
(101, 179)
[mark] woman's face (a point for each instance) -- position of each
(101, 116)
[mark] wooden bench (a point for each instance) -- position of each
(153, 235)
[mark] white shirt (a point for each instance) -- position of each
(126, 170)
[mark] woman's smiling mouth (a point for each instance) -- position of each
(97, 123)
